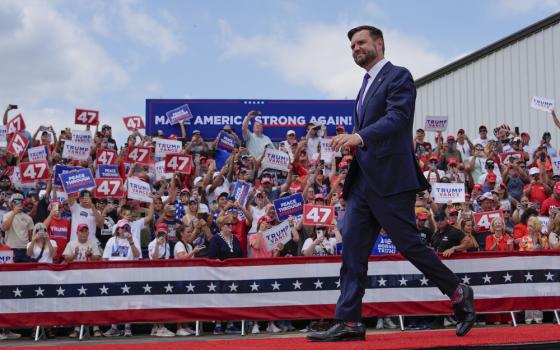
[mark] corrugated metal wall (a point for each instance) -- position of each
(498, 89)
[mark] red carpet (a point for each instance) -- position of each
(398, 340)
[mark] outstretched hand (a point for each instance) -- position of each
(345, 140)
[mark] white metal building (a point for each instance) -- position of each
(495, 84)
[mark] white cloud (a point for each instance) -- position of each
(318, 55)
(517, 7)
(144, 29)
(46, 56)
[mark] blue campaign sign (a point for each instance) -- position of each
(108, 171)
(241, 192)
(62, 169)
(289, 206)
(278, 116)
(226, 142)
(77, 180)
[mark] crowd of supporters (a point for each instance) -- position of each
(195, 215)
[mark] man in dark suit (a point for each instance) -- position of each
(380, 189)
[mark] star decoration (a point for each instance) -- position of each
(82, 290)
(275, 286)
(40, 291)
(254, 287)
(337, 283)
(168, 288)
(60, 291)
(424, 281)
(507, 277)
(403, 281)
(528, 277)
(549, 276)
(382, 282)
(17, 292)
(487, 278)
(125, 289)
(466, 280)
(190, 288)
(318, 284)
(147, 288)
(233, 287)
(297, 284)
(211, 287)
(104, 290)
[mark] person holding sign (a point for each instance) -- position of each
(380, 189)
(321, 243)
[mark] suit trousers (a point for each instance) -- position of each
(366, 213)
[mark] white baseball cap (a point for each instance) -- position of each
(534, 170)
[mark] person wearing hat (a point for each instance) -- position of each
(218, 183)
(424, 225)
(551, 205)
(84, 212)
(18, 228)
(450, 151)
(217, 209)
(464, 144)
(446, 236)
(197, 146)
(433, 174)
(259, 209)
(313, 137)
(455, 170)
(256, 141)
(107, 137)
(537, 190)
(483, 136)
(491, 168)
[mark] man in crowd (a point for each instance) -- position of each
(257, 141)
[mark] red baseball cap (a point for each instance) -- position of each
(266, 218)
(81, 227)
(477, 187)
(319, 196)
(452, 160)
(161, 227)
(450, 138)
(434, 158)
(491, 177)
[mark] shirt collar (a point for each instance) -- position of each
(376, 69)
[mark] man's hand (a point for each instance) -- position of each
(345, 140)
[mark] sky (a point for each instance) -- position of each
(58, 55)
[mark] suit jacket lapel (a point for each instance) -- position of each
(372, 88)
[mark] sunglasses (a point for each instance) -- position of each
(228, 224)
(260, 196)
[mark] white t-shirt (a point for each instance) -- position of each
(82, 247)
(180, 247)
(164, 250)
(81, 215)
(46, 257)
(118, 249)
(136, 228)
(256, 144)
(211, 196)
(433, 177)
(464, 149)
(328, 246)
(256, 213)
(313, 145)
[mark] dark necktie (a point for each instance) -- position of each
(361, 94)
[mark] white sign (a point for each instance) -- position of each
(279, 234)
(542, 104)
(275, 159)
(3, 133)
(76, 150)
(555, 165)
(138, 190)
(445, 192)
(37, 153)
(327, 151)
(435, 123)
(544, 221)
(164, 146)
(83, 136)
(160, 171)
(6, 256)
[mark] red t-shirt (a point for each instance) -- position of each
(59, 231)
(502, 243)
(547, 203)
(239, 230)
(537, 194)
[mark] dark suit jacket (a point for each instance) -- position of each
(387, 158)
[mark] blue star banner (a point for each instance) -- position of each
(105, 292)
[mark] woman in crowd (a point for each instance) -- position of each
(554, 233)
(121, 246)
(533, 241)
(468, 243)
(520, 229)
(321, 242)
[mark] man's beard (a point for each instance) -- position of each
(367, 58)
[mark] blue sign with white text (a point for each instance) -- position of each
(278, 116)
(289, 206)
(60, 169)
(77, 180)
(108, 171)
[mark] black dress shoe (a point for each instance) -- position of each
(464, 311)
(340, 332)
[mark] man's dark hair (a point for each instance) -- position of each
(374, 33)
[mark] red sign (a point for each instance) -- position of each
(106, 157)
(140, 155)
(318, 215)
(134, 122)
(86, 117)
(178, 163)
(34, 171)
(511, 157)
(18, 145)
(108, 188)
(483, 220)
(16, 124)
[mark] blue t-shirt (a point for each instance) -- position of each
(383, 245)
